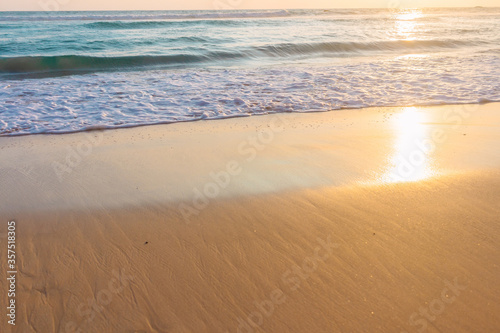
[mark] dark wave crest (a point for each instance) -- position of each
(75, 63)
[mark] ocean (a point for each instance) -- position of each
(64, 72)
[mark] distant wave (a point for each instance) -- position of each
(148, 24)
(381, 13)
(156, 16)
(349, 47)
(70, 63)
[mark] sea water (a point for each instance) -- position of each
(72, 71)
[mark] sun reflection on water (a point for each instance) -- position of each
(409, 14)
(405, 24)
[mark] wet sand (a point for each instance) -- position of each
(372, 220)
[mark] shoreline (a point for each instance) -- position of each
(98, 129)
(269, 154)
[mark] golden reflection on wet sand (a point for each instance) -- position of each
(411, 157)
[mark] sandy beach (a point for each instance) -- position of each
(368, 220)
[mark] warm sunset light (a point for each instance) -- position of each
(234, 4)
(245, 166)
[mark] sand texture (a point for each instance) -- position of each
(372, 220)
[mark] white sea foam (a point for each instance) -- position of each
(112, 100)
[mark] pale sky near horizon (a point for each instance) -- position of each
(65, 5)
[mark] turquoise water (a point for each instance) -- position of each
(72, 71)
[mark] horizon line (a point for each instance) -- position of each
(236, 9)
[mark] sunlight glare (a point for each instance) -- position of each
(405, 25)
(411, 157)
